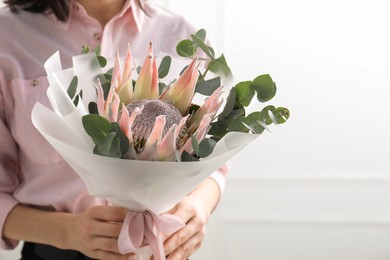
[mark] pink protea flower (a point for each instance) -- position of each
(157, 126)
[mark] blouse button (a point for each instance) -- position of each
(34, 83)
(97, 37)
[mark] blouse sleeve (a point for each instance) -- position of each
(9, 168)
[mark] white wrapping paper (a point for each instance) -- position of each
(135, 185)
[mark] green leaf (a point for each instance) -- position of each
(92, 108)
(96, 126)
(165, 64)
(98, 50)
(76, 100)
(207, 87)
(73, 87)
(161, 87)
(195, 144)
(206, 147)
(281, 115)
(244, 93)
(265, 87)
(235, 113)
(110, 146)
(124, 141)
(102, 61)
(185, 48)
(219, 64)
(186, 157)
(254, 123)
(201, 34)
(217, 130)
(200, 43)
(230, 104)
(236, 125)
(211, 50)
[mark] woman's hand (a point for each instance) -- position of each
(95, 232)
(194, 210)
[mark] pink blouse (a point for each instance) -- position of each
(31, 172)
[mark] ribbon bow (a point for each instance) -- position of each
(147, 226)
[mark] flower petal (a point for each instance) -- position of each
(211, 105)
(101, 103)
(167, 148)
(182, 91)
(117, 70)
(124, 121)
(128, 65)
(157, 131)
(199, 135)
(146, 86)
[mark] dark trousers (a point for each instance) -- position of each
(34, 251)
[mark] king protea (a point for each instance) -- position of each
(158, 126)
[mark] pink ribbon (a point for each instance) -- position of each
(149, 227)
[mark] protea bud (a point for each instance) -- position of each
(146, 86)
(182, 91)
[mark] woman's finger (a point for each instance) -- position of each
(185, 250)
(108, 213)
(193, 227)
(107, 229)
(106, 244)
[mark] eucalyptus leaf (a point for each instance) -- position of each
(217, 130)
(96, 126)
(265, 87)
(185, 48)
(110, 146)
(230, 104)
(234, 114)
(102, 61)
(195, 144)
(161, 87)
(98, 50)
(281, 114)
(76, 100)
(164, 67)
(73, 87)
(218, 65)
(201, 34)
(206, 147)
(237, 125)
(186, 157)
(253, 124)
(211, 50)
(207, 87)
(244, 93)
(200, 43)
(92, 108)
(124, 141)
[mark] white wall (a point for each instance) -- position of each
(330, 61)
(317, 187)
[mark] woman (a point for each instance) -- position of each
(43, 200)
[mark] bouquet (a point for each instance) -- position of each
(142, 142)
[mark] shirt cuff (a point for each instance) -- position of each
(219, 176)
(7, 204)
